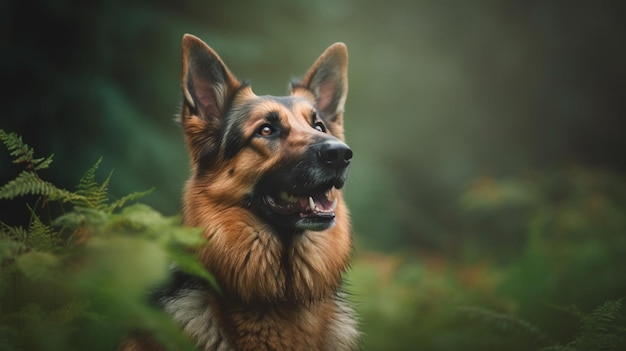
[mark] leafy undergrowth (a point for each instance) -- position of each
(562, 288)
(80, 281)
(408, 304)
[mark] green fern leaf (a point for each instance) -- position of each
(602, 315)
(22, 152)
(130, 197)
(28, 183)
(43, 163)
(93, 195)
(40, 236)
(505, 322)
(12, 233)
(598, 329)
(16, 147)
(87, 181)
(101, 196)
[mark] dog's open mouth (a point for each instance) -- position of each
(319, 203)
(300, 197)
(314, 210)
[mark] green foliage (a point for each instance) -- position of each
(96, 196)
(81, 280)
(29, 183)
(563, 245)
(89, 193)
(93, 195)
(504, 322)
(598, 329)
(23, 153)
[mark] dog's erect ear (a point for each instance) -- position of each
(327, 79)
(207, 83)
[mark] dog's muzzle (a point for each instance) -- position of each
(302, 195)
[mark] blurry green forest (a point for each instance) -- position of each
(488, 187)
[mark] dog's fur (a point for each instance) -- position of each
(258, 164)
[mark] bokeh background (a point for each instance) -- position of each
(488, 189)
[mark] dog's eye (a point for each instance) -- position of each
(266, 130)
(319, 126)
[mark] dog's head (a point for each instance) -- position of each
(267, 172)
(286, 154)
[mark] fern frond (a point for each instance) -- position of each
(101, 196)
(28, 183)
(44, 163)
(598, 329)
(130, 197)
(87, 181)
(602, 316)
(16, 147)
(12, 233)
(93, 195)
(22, 152)
(505, 322)
(41, 237)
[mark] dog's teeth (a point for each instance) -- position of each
(334, 205)
(311, 203)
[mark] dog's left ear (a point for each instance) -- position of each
(327, 79)
(207, 83)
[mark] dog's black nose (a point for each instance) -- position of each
(335, 154)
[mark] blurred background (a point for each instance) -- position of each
(488, 187)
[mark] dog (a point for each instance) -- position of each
(266, 185)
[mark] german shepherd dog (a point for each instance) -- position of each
(267, 174)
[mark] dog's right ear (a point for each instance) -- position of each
(207, 84)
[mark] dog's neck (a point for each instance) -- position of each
(254, 264)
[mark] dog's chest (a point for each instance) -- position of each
(327, 327)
